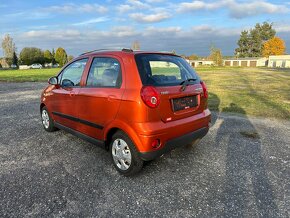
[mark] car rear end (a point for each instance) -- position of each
(176, 102)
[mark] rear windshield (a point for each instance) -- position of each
(164, 70)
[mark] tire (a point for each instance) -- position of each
(46, 120)
(124, 154)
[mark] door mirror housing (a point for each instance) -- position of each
(53, 80)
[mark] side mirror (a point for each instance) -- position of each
(53, 81)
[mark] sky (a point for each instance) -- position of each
(188, 27)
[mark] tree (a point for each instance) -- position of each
(9, 48)
(266, 31)
(192, 57)
(53, 59)
(31, 55)
(69, 58)
(136, 45)
(255, 45)
(216, 56)
(47, 56)
(15, 59)
(244, 45)
(251, 41)
(274, 46)
(60, 56)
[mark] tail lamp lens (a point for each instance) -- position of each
(150, 96)
(204, 88)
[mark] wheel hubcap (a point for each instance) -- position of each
(45, 119)
(121, 154)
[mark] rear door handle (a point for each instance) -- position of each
(72, 94)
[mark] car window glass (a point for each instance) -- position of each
(164, 70)
(104, 72)
(71, 75)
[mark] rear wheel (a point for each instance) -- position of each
(124, 154)
(47, 122)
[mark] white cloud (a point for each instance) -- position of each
(132, 5)
(125, 8)
(195, 39)
(282, 28)
(138, 4)
(240, 10)
(91, 21)
(33, 15)
(154, 1)
(73, 8)
(236, 9)
(52, 34)
(151, 18)
(198, 5)
(161, 30)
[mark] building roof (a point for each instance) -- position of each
(287, 57)
(241, 59)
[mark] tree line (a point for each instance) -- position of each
(31, 55)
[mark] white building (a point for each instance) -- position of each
(246, 62)
(196, 63)
(282, 61)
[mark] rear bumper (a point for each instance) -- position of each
(166, 132)
(174, 143)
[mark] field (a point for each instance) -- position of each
(31, 75)
(253, 91)
(249, 91)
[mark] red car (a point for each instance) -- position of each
(136, 104)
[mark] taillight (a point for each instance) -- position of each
(150, 96)
(204, 89)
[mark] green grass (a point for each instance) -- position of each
(31, 75)
(250, 91)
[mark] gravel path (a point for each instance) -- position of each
(241, 168)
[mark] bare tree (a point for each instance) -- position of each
(136, 45)
(9, 48)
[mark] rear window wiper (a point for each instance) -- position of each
(186, 83)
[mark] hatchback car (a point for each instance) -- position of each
(36, 66)
(138, 105)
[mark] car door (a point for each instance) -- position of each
(64, 107)
(99, 99)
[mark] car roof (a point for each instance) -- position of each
(122, 52)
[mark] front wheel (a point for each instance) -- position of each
(47, 122)
(124, 154)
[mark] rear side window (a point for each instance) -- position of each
(105, 72)
(164, 70)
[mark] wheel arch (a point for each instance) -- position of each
(109, 136)
(41, 106)
(122, 126)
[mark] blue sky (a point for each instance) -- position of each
(185, 26)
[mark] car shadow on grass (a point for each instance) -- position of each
(246, 189)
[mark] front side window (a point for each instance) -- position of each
(164, 70)
(72, 74)
(105, 72)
